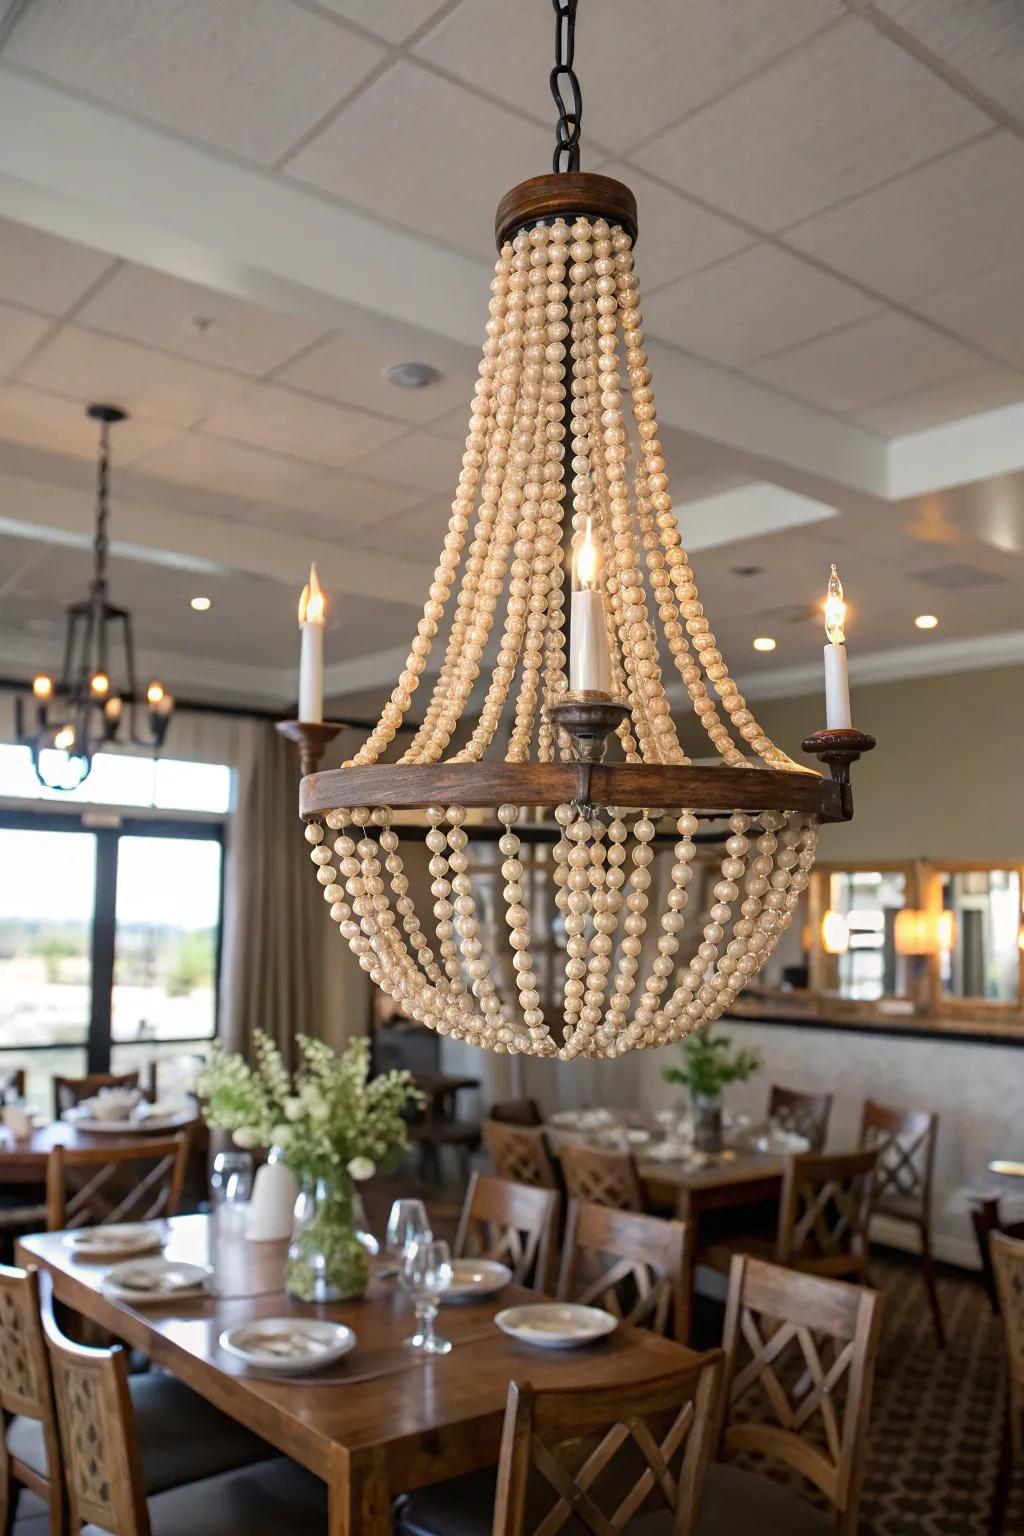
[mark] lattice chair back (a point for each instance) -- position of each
(102, 1461)
(513, 1223)
(599, 1456)
(801, 1348)
(520, 1153)
(130, 1181)
(803, 1114)
(1008, 1266)
(905, 1142)
(516, 1112)
(601, 1177)
(25, 1386)
(824, 1212)
(632, 1265)
(70, 1091)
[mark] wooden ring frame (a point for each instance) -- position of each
(565, 195)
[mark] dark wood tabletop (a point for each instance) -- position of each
(733, 1177)
(24, 1161)
(381, 1421)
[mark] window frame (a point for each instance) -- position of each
(939, 1001)
(108, 825)
(818, 898)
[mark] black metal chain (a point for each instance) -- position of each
(565, 88)
(101, 542)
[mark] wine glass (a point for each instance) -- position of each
(425, 1275)
(231, 1178)
(408, 1223)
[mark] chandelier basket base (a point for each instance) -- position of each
(567, 195)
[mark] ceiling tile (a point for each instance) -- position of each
(751, 304)
(20, 331)
(347, 497)
(885, 356)
(283, 422)
(248, 78)
(148, 306)
(951, 400)
(419, 533)
(677, 236)
(231, 469)
(930, 229)
(455, 425)
(395, 20)
(89, 366)
(61, 426)
(350, 369)
(683, 53)
(423, 462)
(840, 115)
(425, 153)
(987, 311)
(983, 41)
(44, 272)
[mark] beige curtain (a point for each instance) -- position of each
(285, 970)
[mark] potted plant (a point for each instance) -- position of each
(332, 1125)
(709, 1063)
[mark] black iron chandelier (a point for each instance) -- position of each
(96, 703)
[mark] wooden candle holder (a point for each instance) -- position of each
(838, 749)
(312, 737)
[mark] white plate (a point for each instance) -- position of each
(117, 1239)
(288, 1346)
(154, 1282)
(782, 1143)
(476, 1277)
(122, 1127)
(583, 1119)
(556, 1324)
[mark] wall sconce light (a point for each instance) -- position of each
(917, 932)
(835, 933)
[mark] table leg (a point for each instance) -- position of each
(359, 1495)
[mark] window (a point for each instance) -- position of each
(110, 924)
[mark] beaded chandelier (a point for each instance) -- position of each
(555, 474)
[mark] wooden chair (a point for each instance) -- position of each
(905, 1142)
(127, 1181)
(13, 1082)
(824, 1213)
(809, 1345)
(804, 1114)
(516, 1112)
(30, 1450)
(69, 1091)
(587, 1461)
(183, 1480)
(1008, 1268)
(520, 1153)
(601, 1177)
(987, 1218)
(512, 1223)
(632, 1265)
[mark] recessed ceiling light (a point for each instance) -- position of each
(746, 570)
(764, 643)
(411, 375)
(926, 621)
(201, 604)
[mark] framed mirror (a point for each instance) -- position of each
(980, 962)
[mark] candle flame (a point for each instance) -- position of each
(312, 603)
(154, 693)
(588, 560)
(835, 609)
(100, 684)
(42, 687)
(64, 740)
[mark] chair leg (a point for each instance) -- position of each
(928, 1272)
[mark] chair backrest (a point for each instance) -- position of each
(520, 1153)
(824, 1212)
(102, 1460)
(516, 1112)
(69, 1091)
(513, 1223)
(806, 1347)
(905, 1142)
(1008, 1265)
(134, 1180)
(13, 1082)
(601, 1177)
(25, 1386)
(667, 1424)
(986, 1218)
(805, 1114)
(634, 1266)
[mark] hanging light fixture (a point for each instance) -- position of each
(95, 703)
(545, 481)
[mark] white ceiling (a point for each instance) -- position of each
(832, 251)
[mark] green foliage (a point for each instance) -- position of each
(708, 1066)
(193, 963)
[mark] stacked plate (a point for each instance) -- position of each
(116, 1240)
(556, 1324)
(149, 1282)
(472, 1278)
(288, 1346)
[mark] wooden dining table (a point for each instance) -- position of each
(384, 1420)
(23, 1161)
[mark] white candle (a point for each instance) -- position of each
(837, 679)
(311, 656)
(590, 662)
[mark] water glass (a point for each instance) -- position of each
(408, 1223)
(425, 1275)
(231, 1178)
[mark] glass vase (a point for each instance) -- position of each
(707, 1122)
(327, 1259)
